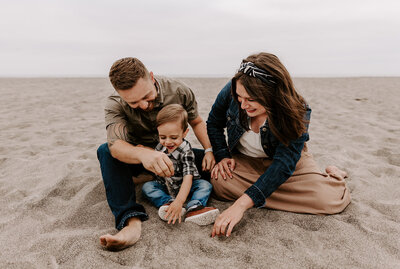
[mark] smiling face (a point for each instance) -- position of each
(171, 135)
(252, 107)
(142, 95)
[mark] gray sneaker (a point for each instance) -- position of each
(162, 212)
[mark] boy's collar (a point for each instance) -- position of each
(177, 151)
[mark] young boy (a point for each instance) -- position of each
(170, 193)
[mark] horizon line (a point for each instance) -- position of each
(196, 76)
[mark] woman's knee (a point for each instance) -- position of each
(330, 204)
(223, 190)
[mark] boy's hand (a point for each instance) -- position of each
(174, 211)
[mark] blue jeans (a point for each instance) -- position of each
(119, 186)
(158, 194)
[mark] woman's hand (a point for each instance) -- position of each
(174, 211)
(224, 167)
(208, 161)
(230, 217)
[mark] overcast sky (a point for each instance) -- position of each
(199, 37)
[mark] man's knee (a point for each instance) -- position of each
(198, 157)
(103, 150)
(198, 153)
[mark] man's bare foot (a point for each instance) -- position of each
(128, 236)
(335, 172)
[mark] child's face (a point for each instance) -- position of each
(171, 135)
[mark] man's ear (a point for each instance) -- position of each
(185, 132)
(152, 77)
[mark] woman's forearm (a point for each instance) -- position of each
(244, 202)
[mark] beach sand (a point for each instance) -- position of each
(54, 208)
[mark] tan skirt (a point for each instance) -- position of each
(306, 191)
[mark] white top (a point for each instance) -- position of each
(250, 145)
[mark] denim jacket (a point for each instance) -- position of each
(225, 114)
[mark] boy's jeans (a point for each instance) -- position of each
(120, 189)
(158, 194)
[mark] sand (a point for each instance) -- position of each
(53, 203)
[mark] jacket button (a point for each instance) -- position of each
(264, 129)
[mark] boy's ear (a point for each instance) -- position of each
(185, 132)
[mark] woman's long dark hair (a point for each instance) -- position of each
(285, 107)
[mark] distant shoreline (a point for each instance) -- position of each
(190, 77)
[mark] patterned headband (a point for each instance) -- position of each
(252, 70)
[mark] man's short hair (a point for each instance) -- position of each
(173, 113)
(125, 72)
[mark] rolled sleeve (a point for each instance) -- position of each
(256, 195)
(114, 112)
(141, 215)
(189, 102)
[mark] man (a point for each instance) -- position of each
(130, 117)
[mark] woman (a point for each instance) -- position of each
(265, 162)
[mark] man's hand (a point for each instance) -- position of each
(224, 167)
(174, 211)
(208, 161)
(157, 162)
(200, 130)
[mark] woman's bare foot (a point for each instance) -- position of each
(128, 236)
(335, 172)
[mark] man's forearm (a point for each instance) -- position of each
(200, 130)
(127, 153)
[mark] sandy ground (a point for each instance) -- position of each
(53, 204)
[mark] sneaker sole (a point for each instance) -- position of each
(162, 213)
(204, 219)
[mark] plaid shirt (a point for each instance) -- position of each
(183, 161)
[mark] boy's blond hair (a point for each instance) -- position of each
(173, 113)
